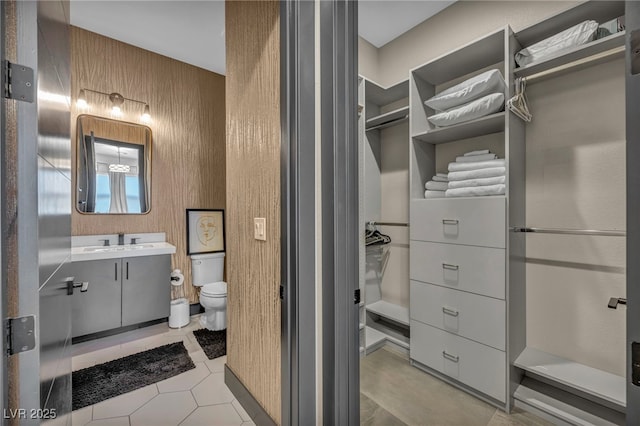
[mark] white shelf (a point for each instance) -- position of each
(591, 381)
(379, 95)
(493, 123)
(481, 53)
(361, 325)
(388, 310)
(388, 119)
(374, 338)
(578, 53)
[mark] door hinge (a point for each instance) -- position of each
(356, 296)
(18, 82)
(21, 334)
(281, 292)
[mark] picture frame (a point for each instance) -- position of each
(205, 231)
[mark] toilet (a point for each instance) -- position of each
(207, 271)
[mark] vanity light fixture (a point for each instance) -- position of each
(146, 115)
(117, 102)
(82, 99)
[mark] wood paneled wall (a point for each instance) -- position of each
(187, 106)
(253, 190)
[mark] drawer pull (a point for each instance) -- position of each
(449, 221)
(450, 357)
(450, 266)
(450, 311)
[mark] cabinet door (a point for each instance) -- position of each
(98, 308)
(146, 288)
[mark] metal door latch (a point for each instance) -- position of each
(83, 286)
(20, 334)
(635, 363)
(614, 301)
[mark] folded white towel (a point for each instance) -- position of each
(478, 152)
(436, 186)
(461, 167)
(437, 178)
(434, 194)
(477, 174)
(473, 158)
(469, 183)
(477, 191)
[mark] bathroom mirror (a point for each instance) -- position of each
(114, 166)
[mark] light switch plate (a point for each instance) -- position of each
(260, 228)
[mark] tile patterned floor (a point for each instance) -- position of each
(393, 393)
(198, 397)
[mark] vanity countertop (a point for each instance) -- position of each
(85, 248)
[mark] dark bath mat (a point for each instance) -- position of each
(213, 343)
(95, 384)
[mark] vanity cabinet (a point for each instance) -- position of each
(146, 292)
(99, 308)
(122, 292)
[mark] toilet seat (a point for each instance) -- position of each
(218, 289)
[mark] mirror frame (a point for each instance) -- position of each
(80, 148)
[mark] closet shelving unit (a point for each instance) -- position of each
(382, 322)
(463, 284)
(554, 385)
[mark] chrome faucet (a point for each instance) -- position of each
(121, 239)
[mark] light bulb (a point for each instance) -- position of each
(82, 100)
(146, 115)
(116, 110)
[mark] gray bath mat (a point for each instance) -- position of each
(213, 343)
(100, 382)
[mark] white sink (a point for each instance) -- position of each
(128, 250)
(103, 249)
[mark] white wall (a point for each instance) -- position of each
(576, 179)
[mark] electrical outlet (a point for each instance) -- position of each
(260, 228)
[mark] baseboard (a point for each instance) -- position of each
(114, 331)
(195, 309)
(244, 397)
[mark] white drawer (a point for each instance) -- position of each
(475, 317)
(479, 270)
(476, 365)
(475, 221)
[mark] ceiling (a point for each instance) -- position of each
(189, 31)
(380, 21)
(193, 31)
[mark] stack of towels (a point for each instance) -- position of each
(437, 186)
(476, 173)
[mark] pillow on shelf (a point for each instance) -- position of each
(577, 35)
(474, 109)
(476, 87)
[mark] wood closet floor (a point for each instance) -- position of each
(392, 392)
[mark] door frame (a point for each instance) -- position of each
(298, 212)
(340, 211)
(320, 234)
(632, 89)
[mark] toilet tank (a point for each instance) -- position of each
(207, 268)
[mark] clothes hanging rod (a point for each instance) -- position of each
(373, 223)
(388, 123)
(593, 58)
(563, 231)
